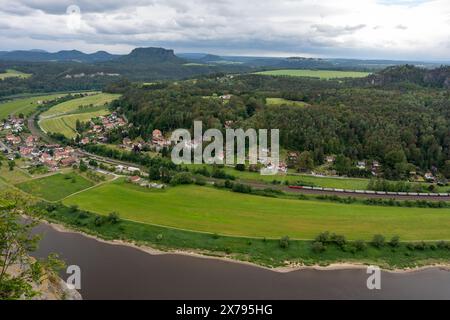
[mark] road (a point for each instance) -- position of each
(35, 131)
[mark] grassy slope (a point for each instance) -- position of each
(25, 106)
(265, 252)
(323, 74)
(14, 74)
(16, 176)
(281, 101)
(72, 105)
(66, 124)
(55, 187)
(211, 210)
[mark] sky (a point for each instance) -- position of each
(367, 29)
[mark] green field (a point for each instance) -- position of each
(66, 124)
(72, 106)
(316, 181)
(16, 176)
(322, 74)
(62, 117)
(24, 106)
(14, 74)
(55, 187)
(211, 210)
(281, 101)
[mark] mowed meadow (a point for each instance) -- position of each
(10, 73)
(24, 106)
(322, 74)
(94, 99)
(62, 118)
(207, 209)
(55, 187)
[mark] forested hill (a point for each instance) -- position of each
(142, 64)
(65, 55)
(406, 130)
(408, 74)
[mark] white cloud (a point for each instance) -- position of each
(403, 29)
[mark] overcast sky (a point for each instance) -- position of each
(389, 29)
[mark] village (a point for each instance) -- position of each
(17, 143)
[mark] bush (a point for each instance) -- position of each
(200, 180)
(360, 245)
(240, 167)
(99, 221)
(395, 242)
(113, 218)
(318, 247)
(443, 245)
(378, 241)
(181, 178)
(420, 246)
(159, 237)
(284, 242)
(241, 188)
(339, 240)
(323, 237)
(228, 184)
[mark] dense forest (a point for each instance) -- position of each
(406, 126)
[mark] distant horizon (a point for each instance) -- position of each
(293, 55)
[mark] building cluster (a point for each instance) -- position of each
(99, 126)
(36, 153)
(13, 124)
(144, 183)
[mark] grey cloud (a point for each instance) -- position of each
(333, 31)
(60, 6)
(401, 27)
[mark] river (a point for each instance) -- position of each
(110, 271)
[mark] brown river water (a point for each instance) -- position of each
(121, 272)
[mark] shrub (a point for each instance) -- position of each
(228, 184)
(395, 242)
(241, 188)
(420, 246)
(82, 215)
(443, 245)
(113, 218)
(200, 180)
(240, 167)
(339, 240)
(181, 178)
(284, 242)
(318, 247)
(99, 221)
(159, 237)
(360, 245)
(378, 241)
(323, 237)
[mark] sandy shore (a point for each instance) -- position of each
(285, 269)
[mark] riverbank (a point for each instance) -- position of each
(289, 267)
